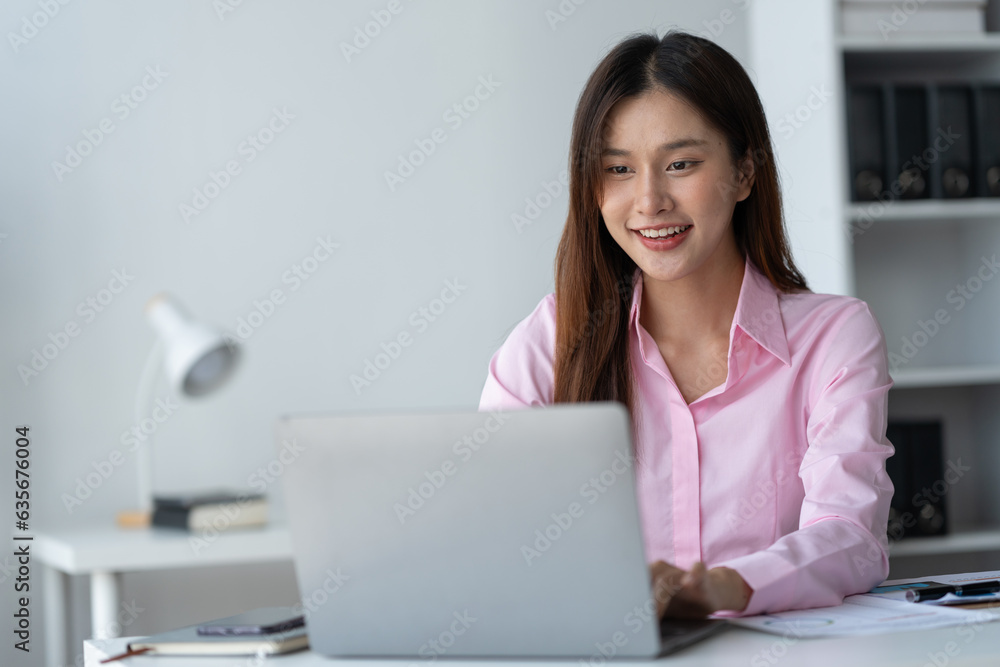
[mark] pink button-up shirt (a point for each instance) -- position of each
(779, 473)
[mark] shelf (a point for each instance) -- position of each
(971, 542)
(923, 42)
(980, 208)
(946, 376)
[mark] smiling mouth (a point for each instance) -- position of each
(663, 232)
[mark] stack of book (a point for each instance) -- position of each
(886, 17)
(219, 510)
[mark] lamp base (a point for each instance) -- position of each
(133, 519)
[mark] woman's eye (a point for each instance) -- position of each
(617, 169)
(681, 165)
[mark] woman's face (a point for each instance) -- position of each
(670, 188)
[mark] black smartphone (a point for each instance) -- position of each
(264, 621)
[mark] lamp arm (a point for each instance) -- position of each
(143, 399)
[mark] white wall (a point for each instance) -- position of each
(797, 71)
(322, 176)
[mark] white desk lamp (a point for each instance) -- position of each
(197, 360)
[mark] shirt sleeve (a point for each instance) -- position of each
(840, 547)
(521, 372)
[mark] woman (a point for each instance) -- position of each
(759, 408)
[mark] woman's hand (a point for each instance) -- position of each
(697, 592)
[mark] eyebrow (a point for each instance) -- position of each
(669, 146)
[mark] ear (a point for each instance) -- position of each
(746, 173)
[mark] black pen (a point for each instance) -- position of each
(938, 592)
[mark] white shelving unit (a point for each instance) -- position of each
(907, 258)
(946, 376)
(927, 209)
(989, 42)
(911, 266)
(956, 543)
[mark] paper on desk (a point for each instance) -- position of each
(897, 589)
(962, 578)
(862, 615)
(957, 600)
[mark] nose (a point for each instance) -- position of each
(652, 197)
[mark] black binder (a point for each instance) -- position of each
(916, 470)
(988, 140)
(866, 142)
(953, 141)
(911, 123)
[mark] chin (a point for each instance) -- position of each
(662, 274)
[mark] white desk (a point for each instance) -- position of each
(105, 552)
(734, 646)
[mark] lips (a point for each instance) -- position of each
(672, 236)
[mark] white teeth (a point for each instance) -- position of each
(660, 233)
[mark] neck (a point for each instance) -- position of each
(695, 308)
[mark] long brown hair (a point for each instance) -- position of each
(594, 276)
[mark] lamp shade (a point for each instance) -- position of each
(197, 358)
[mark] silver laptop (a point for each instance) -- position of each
(469, 534)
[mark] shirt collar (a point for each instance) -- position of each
(758, 313)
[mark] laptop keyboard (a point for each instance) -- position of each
(676, 634)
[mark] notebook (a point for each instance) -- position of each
(188, 640)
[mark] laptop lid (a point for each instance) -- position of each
(469, 534)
